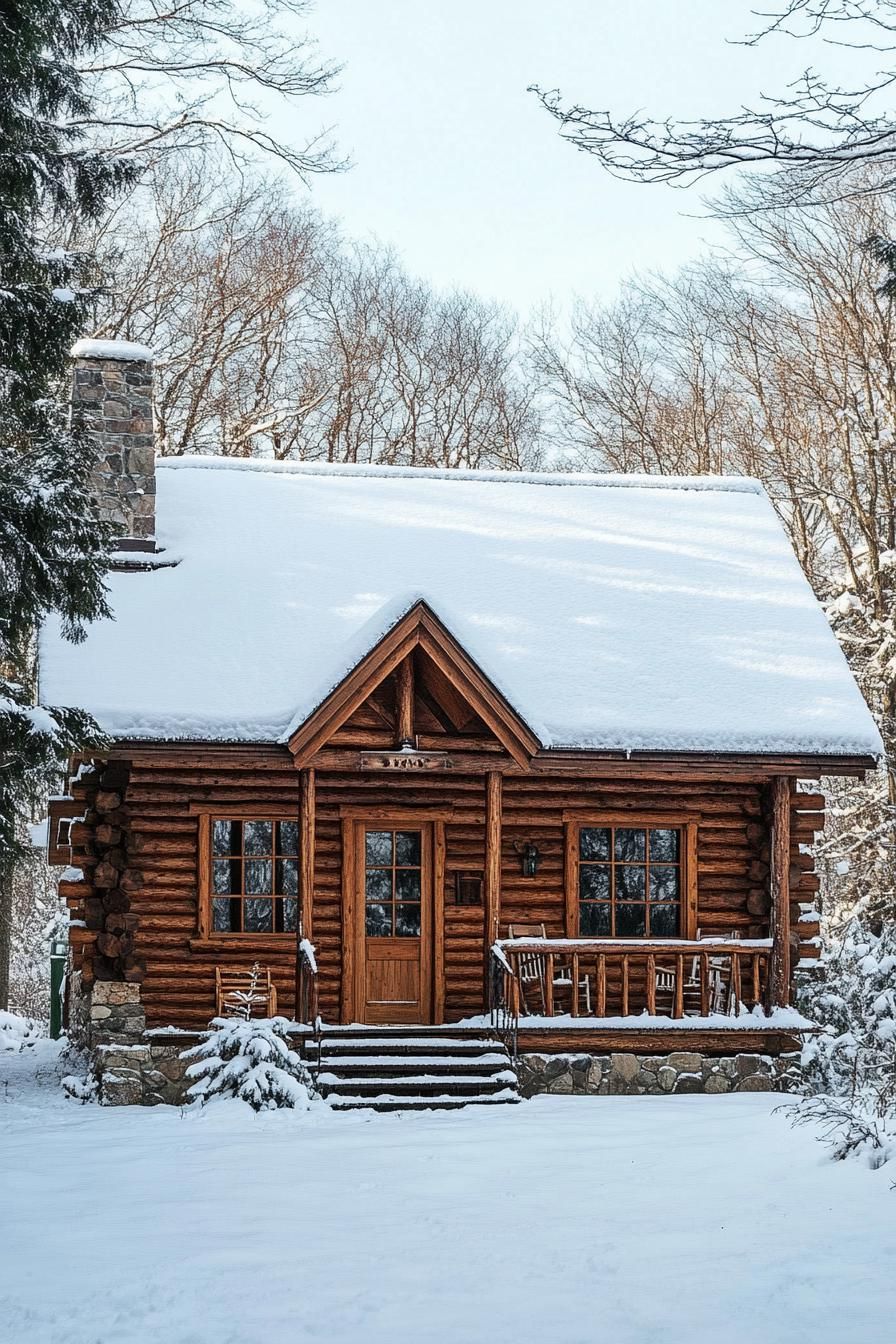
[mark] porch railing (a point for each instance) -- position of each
(603, 977)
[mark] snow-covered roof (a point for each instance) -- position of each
(613, 612)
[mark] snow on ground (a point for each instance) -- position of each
(613, 612)
(629, 1219)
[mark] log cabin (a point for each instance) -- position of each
(446, 751)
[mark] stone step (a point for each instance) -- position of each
(409, 1029)
(379, 1046)
(395, 1068)
(387, 1102)
(381, 1066)
(417, 1085)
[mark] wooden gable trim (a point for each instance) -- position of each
(420, 627)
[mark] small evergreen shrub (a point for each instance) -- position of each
(251, 1060)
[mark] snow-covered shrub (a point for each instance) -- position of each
(17, 1031)
(80, 1087)
(850, 1068)
(251, 1060)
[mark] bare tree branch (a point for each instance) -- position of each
(195, 75)
(815, 134)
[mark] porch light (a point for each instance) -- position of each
(530, 858)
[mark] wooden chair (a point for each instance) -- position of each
(235, 994)
(533, 971)
(720, 992)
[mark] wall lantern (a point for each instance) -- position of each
(530, 858)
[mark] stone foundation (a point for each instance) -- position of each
(133, 1067)
(641, 1075)
(150, 1073)
(109, 1013)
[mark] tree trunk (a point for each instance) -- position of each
(6, 885)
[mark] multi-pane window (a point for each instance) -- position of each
(392, 884)
(254, 876)
(630, 881)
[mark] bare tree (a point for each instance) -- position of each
(638, 386)
(213, 278)
(784, 368)
(274, 337)
(819, 132)
(202, 75)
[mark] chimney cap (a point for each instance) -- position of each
(126, 350)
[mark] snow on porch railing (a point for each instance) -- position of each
(306, 983)
(605, 977)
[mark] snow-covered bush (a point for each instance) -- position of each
(80, 1087)
(251, 1060)
(850, 1068)
(17, 1031)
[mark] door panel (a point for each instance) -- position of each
(395, 877)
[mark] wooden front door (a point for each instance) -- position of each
(394, 905)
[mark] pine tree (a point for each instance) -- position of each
(53, 546)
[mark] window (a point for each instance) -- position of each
(392, 884)
(631, 881)
(254, 872)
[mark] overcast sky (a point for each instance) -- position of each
(460, 169)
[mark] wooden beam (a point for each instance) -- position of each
(492, 884)
(350, 932)
(404, 698)
(438, 914)
(305, 922)
(571, 877)
(205, 878)
(307, 816)
(780, 891)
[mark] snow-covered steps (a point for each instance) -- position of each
(410, 1069)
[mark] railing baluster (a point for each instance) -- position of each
(678, 1008)
(735, 980)
(575, 984)
(757, 992)
(704, 985)
(651, 984)
(625, 984)
(601, 986)
(549, 986)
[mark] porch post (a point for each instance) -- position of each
(779, 995)
(493, 790)
(305, 921)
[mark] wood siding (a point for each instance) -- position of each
(153, 866)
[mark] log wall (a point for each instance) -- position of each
(137, 847)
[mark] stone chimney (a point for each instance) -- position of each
(112, 396)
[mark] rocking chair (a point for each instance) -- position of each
(533, 972)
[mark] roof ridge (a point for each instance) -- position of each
(608, 480)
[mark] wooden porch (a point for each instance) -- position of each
(607, 994)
